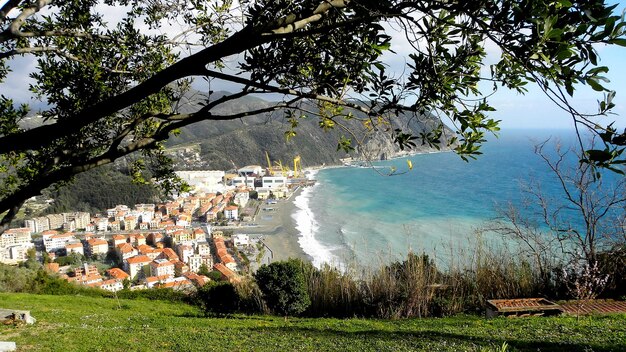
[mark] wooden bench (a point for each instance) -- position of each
(522, 307)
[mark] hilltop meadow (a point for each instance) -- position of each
(79, 323)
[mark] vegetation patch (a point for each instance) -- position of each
(78, 323)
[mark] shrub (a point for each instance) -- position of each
(45, 284)
(250, 298)
(283, 287)
(332, 292)
(16, 279)
(217, 298)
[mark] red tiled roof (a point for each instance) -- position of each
(139, 259)
(97, 242)
(117, 273)
(229, 274)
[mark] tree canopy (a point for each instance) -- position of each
(111, 83)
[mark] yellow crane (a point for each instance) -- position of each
(283, 169)
(269, 164)
(296, 165)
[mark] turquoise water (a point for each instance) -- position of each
(359, 214)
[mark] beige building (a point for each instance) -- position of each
(97, 246)
(138, 266)
(161, 267)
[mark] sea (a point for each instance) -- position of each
(377, 214)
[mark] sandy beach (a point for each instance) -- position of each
(278, 229)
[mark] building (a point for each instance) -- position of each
(137, 239)
(263, 193)
(56, 221)
(38, 225)
(203, 248)
(114, 211)
(58, 241)
(117, 273)
(241, 198)
(96, 246)
(180, 267)
(116, 240)
(194, 262)
(154, 237)
(162, 267)
(243, 181)
(155, 224)
(231, 212)
(240, 240)
(157, 281)
(198, 235)
(112, 285)
(130, 222)
(75, 247)
(183, 220)
(145, 212)
(114, 225)
(184, 251)
(204, 181)
(198, 280)
(138, 267)
(250, 170)
(145, 208)
(180, 236)
(272, 182)
(102, 224)
(69, 226)
(227, 274)
(229, 262)
(207, 260)
(125, 251)
(168, 254)
(19, 236)
(77, 220)
(148, 251)
(13, 251)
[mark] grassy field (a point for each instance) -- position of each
(74, 323)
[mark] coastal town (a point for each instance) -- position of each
(214, 232)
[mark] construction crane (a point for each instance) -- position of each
(283, 169)
(269, 164)
(296, 165)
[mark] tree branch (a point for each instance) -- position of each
(286, 91)
(7, 7)
(15, 27)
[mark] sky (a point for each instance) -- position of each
(532, 110)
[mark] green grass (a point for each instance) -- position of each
(76, 323)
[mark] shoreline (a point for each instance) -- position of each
(278, 229)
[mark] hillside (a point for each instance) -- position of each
(99, 189)
(246, 140)
(98, 324)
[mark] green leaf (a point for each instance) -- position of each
(618, 41)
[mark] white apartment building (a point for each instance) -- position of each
(272, 182)
(161, 267)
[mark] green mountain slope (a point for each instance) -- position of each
(245, 141)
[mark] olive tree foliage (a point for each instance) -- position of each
(112, 85)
